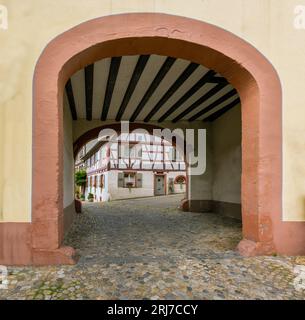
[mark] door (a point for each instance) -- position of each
(159, 185)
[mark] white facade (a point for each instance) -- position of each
(133, 167)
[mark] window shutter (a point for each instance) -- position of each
(102, 181)
(120, 180)
(139, 180)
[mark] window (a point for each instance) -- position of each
(102, 181)
(140, 151)
(130, 180)
(130, 151)
(180, 156)
(123, 151)
(103, 153)
(174, 154)
(89, 183)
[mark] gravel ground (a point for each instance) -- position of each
(149, 249)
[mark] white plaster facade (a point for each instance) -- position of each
(133, 171)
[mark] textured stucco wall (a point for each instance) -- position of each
(200, 186)
(267, 24)
(226, 183)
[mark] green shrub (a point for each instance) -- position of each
(81, 178)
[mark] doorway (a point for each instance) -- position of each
(160, 188)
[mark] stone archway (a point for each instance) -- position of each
(248, 71)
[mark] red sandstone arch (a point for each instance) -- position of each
(249, 72)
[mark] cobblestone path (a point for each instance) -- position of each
(148, 249)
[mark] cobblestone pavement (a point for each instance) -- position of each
(148, 249)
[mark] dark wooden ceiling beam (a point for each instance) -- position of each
(139, 68)
(173, 88)
(222, 111)
(153, 86)
(71, 100)
(198, 85)
(89, 70)
(218, 80)
(213, 105)
(200, 101)
(113, 73)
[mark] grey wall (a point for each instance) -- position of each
(219, 188)
(201, 185)
(226, 148)
(68, 178)
(226, 183)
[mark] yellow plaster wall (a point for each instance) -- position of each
(267, 24)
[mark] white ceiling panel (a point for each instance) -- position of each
(127, 66)
(220, 106)
(78, 85)
(153, 66)
(209, 101)
(187, 85)
(172, 75)
(207, 87)
(101, 70)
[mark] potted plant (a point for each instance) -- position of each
(90, 197)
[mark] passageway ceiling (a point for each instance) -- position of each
(148, 88)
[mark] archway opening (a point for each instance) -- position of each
(152, 92)
(155, 221)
